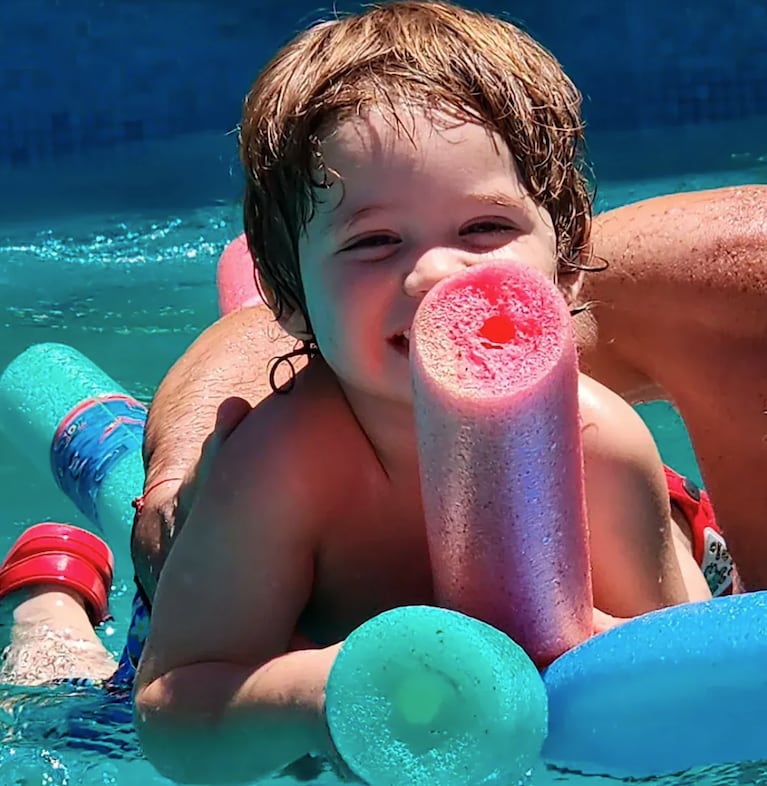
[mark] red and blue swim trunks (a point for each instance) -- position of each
(708, 544)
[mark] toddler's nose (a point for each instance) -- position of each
(431, 267)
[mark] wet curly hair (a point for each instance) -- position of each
(435, 55)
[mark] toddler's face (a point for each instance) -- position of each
(407, 205)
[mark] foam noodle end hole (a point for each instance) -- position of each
(497, 331)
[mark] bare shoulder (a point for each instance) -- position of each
(231, 358)
(659, 234)
(612, 430)
(293, 444)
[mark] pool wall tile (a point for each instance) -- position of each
(82, 74)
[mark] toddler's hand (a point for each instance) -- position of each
(604, 622)
(339, 767)
(341, 770)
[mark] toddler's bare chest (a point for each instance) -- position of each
(368, 567)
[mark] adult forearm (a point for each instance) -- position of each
(153, 530)
(222, 723)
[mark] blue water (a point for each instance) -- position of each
(116, 257)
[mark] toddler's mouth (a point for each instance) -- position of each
(401, 342)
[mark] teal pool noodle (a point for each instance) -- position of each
(422, 696)
(69, 417)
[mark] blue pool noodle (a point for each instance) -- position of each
(37, 390)
(673, 690)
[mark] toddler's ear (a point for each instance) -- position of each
(570, 284)
(293, 322)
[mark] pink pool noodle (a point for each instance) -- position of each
(496, 399)
(236, 278)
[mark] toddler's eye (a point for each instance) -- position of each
(371, 241)
(481, 227)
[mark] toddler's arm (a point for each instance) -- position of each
(219, 698)
(638, 562)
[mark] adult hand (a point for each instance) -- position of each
(169, 497)
(231, 412)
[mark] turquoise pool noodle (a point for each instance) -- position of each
(420, 695)
(37, 389)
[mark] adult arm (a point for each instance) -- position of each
(681, 313)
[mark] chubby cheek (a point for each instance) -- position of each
(325, 311)
(322, 296)
(341, 311)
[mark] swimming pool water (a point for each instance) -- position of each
(125, 272)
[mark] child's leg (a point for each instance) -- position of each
(54, 587)
(46, 635)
